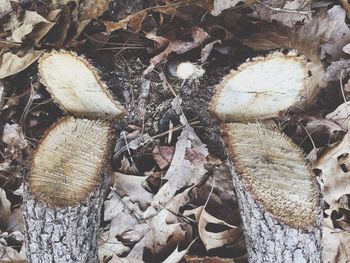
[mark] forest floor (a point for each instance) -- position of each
(169, 193)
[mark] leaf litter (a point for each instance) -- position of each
(167, 211)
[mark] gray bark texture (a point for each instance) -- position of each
(269, 240)
(62, 235)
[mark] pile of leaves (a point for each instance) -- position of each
(169, 197)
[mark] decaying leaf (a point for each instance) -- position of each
(30, 19)
(122, 219)
(212, 239)
(83, 96)
(157, 233)
(132, 186)
(221, 5)
(286, 12)
(335, 70)
(321, 131)
(163, 155)
(41, 29)
(341, 115)
(9, 254)
(12, 64)
(334, 175)
(5, 210)
(182, 171)
(199, 36)
(13, 136)
(92, 9)
(339, 36)
(134, 21)
(177, 255)
(335, 243)
(258, 90)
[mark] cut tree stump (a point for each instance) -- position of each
(63, 192)
(277, 192)
(63, 188)
(278, 195)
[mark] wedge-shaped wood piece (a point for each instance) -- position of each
(76, 87)
(274, 170)
(261, 88)
(68, 162)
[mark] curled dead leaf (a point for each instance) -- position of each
(286, 12)
(212, 239)
(341, 115)
(134, 21)
(335, 243)
(12, 64)
(199, 36)
(334, 172)
(30, 19)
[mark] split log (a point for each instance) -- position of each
(278, 196)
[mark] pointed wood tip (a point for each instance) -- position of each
(76, 87)
(261, 88)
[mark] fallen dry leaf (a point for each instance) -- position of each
(5, 212)
(335, 243)
(30, 19)
(221, 5)
(206, 50)
(41, 29)
(13, 136)
(199, 36)
(335, 70)
(132, 186)
(163, 155)
(177, 255)
(339, 36)
(182, 172)
(212, 239)
(322, 131)
(341, 115)
(9, 254)
(12, 64)
(286, 12)
(134, 21)
(334, 174)
(90, 9)
(162, 232)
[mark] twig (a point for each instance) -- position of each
(127, 147)
(308, 134)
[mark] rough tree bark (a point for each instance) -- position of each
(63, 192)
(63, 187)
(277, 194)
(64, 235)
(269, 240)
